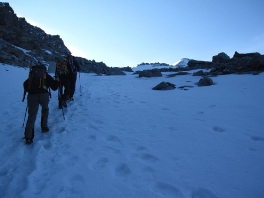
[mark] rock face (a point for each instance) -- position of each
(21, 42)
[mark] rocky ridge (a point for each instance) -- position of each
(221, 64)
(21, 42)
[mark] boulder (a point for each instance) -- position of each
(205, 81)
(164, 86)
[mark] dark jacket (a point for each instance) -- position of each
(73, 65)
(50, 82)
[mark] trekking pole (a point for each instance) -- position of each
(25, 117)
(24, 95)
(59, 93)
(80, 84)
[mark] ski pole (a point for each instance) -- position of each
(80, 84)
(25, 116)
(24, 95)
(60, 100)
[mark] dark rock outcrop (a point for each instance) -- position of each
(150, 73)
(24, 41)
(178, 74)
(221, 58)
(239, 64)
(200, 73)
(21, 42)
(164, 86)
(238, 55)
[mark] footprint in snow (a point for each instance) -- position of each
(92, 137)
(47, 144)
(167, 190)
(257, 138)
(112, 150)
(148, 170)
(218, 129)
(93, 127)
(101, 163)
(148, 157)
(76, 187)
(61, 129)
(122, 170)
(71, 160)
(112, 138)
(203, 193)
(141, 148)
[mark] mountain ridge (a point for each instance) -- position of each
(21, 42)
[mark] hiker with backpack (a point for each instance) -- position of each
(37, 85)
(73, 68)
(62, 72)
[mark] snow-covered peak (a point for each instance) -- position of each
(145, 66)
(182, 63)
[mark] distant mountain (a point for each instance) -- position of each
(182, 63)
(145, 66)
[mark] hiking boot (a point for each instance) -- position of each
(64, 103)
(71, 99)
(29, 141)
(44, 129)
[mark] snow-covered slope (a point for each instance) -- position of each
(123, 139)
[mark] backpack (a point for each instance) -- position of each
(61, 68)
(71, 62)
(37, 78)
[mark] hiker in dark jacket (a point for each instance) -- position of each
(73, 68)
(34, 99)
(62, 72)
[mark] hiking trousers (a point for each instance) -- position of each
(73, 84)
(33, 102)
(64, 82)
